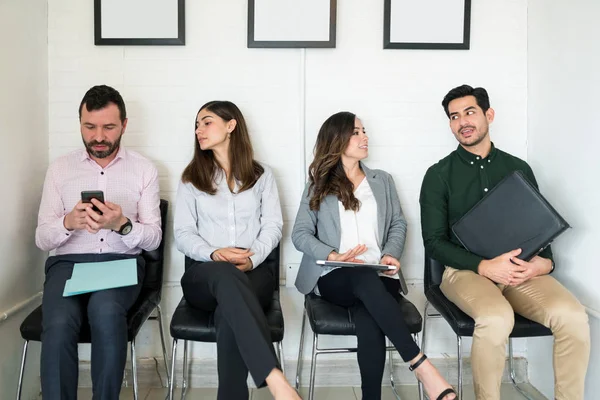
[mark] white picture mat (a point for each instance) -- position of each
(427, 21)
(139, 19)
(291, 20)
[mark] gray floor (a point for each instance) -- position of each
(407, 392)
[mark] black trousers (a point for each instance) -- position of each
(373, 302)
(62, 320)
(238, 301)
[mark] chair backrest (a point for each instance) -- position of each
(433, 272)
(155, 258)
(272, 262)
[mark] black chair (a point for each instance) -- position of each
(330, 319)
(189, 323)
(147, 302)
(463, 325)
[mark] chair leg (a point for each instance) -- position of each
(313, 367)
(300, 347)
(281, 357)
(511, 367)
(424, 343)
(162, 341)
(277, 354)
(186, 368)
(391, 365)
(459, 342)
(134, 370)
(424, 336)
(419, 384)
(172, 375)
(22, 371)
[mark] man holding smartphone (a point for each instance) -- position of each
(82, 228)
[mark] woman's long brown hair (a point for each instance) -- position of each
(326, 172)
(201, 171)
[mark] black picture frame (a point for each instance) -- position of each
(279, 44)
(101, 41)
(388, 44)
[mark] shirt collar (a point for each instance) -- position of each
(471, 158)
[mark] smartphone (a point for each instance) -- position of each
(88, 195)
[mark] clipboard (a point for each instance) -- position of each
(378, 267)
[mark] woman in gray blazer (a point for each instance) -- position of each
(351, 213)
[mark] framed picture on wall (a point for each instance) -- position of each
(427, 24)
(139, 22)
(291, 23)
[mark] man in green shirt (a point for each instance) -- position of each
(491, 291)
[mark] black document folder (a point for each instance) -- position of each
(513, 215)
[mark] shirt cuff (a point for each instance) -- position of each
(60, 227)
(553, 267)
(203, 253)
(323, 251)
(133, 238)
(253, 258)
(472, 263)
(386, 252)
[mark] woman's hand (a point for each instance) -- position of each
(244, 266)
(349, 256)
(231, 254)
(389, 260)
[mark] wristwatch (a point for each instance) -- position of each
(125, 228)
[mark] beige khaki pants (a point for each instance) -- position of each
(542, 299)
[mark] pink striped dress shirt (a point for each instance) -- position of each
(130, 180)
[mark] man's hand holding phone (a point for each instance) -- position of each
(77, 218)
(110, 216)
(93, 214)
(88, 195)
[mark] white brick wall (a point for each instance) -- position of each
(24, 138)
(397, 93)
(563, 86)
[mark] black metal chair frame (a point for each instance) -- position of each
(451, 313)
(339, 350)
(275, 264)
(153, 295)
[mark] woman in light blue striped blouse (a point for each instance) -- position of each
(228, 220)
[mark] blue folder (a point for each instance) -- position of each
(94, 276)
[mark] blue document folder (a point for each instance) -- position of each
(94, 276)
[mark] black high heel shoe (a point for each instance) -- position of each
(445, 392)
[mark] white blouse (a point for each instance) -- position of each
(251, 219)
(360, 227)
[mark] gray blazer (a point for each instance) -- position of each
(317, 233)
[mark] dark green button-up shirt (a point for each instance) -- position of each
(450, 189)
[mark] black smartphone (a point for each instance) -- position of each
(88, 195)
